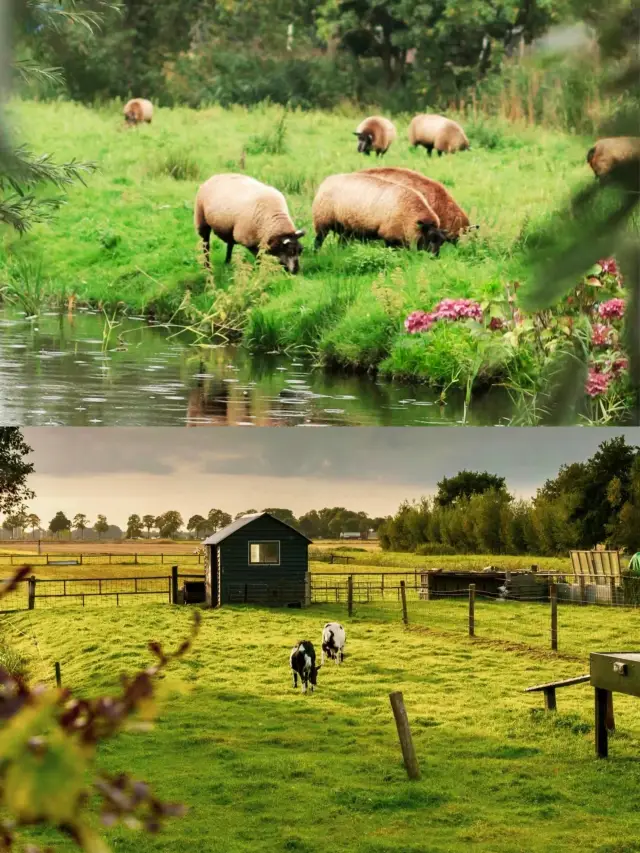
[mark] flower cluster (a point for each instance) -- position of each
(601, 335)
(612, 310)
(447, 309)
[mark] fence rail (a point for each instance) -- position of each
(94, 558)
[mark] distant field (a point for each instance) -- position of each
(136, 546)
(267, 770)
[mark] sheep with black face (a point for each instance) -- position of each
(375, 133)
(303, 665)
(240, 209)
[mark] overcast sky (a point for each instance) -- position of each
(121, 471)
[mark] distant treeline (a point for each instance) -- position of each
(318, 53)
(588, 503)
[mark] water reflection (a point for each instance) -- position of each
(68, 370)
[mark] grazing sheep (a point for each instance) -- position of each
(608, 153)
(433, 131)
(240, 209)
(303, 663)
(138, 110)
(334, 638)
(452, 217)
(375, 133)
(371, 208)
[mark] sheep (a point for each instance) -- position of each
(434, 131)
(452, 218)
(611, 152)
(375, 133)
(370, 208)
(303, 663)
(334, 638)
(138, 110)
(240, 209)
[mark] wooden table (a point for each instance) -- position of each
(611, 672)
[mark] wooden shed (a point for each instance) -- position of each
(257, 559)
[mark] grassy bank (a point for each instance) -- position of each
(264, 768)
(127, 239)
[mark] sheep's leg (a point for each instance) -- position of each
(321, 236)
(439, 153)
(429, 148)
(304, 685)
(295, 678)
(205, 233)
(322, 658)
(230, 246)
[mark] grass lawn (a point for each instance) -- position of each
(264, 768)
(127, 239)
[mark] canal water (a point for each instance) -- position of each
(77, 370)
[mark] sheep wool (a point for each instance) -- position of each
(452, 217)
(240, 209)
(375, 133)
(370, 208)
(138, 110)
(434, 131)
(608, 153)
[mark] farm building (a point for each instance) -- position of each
(257, 559)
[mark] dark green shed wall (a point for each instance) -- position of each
(263, 584)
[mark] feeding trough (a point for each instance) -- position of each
(611, 672)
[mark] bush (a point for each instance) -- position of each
(178, 165)
(11, 661)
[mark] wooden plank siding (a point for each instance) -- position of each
(266, 584)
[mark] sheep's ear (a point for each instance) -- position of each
(300, 233)
(355, 133)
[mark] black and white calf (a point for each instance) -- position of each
(303, 664)
(334, 638)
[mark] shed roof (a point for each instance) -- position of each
(239, 523)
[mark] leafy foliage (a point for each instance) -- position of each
(48, 741)
(13, 470)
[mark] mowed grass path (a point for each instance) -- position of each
(128, 236)
(265, 768)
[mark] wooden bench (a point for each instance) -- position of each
(550, 688)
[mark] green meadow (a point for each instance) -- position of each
(264, 768)
(126, 241)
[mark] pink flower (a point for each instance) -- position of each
(418, 321)
(609, 266)
(458, 309)
(611, 309)
(600, 335)
(496, 324)
(597, 383)
(619, 366)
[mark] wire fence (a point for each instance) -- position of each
(99, 559)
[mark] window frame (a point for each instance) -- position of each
(266, 542)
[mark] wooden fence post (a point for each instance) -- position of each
(350, 595)
(174, 584)
(32, 592)
(403, 595)
(404, 734)
(58, 675)
(554, 616)
(612, 588)
(39, 546)
(472, 610)
(583, 590)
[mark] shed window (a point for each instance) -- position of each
(264, 552)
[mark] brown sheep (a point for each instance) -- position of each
(370, 208)
(608, 153)
(452, 217)
(138, 110)
(375, 133)
(240, 209)
(434, 131)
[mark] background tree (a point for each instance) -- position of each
(283, 515)
(134, 527)
(59, 523)
(13, 470)
(80, 522)
(149, 522)
(169, 524)
(246, 512)
(466, 484)
(33, 521)
(197, 525)
(216, 520)
(101, 526)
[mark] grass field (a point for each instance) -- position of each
(127, 239)
(264, 768)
